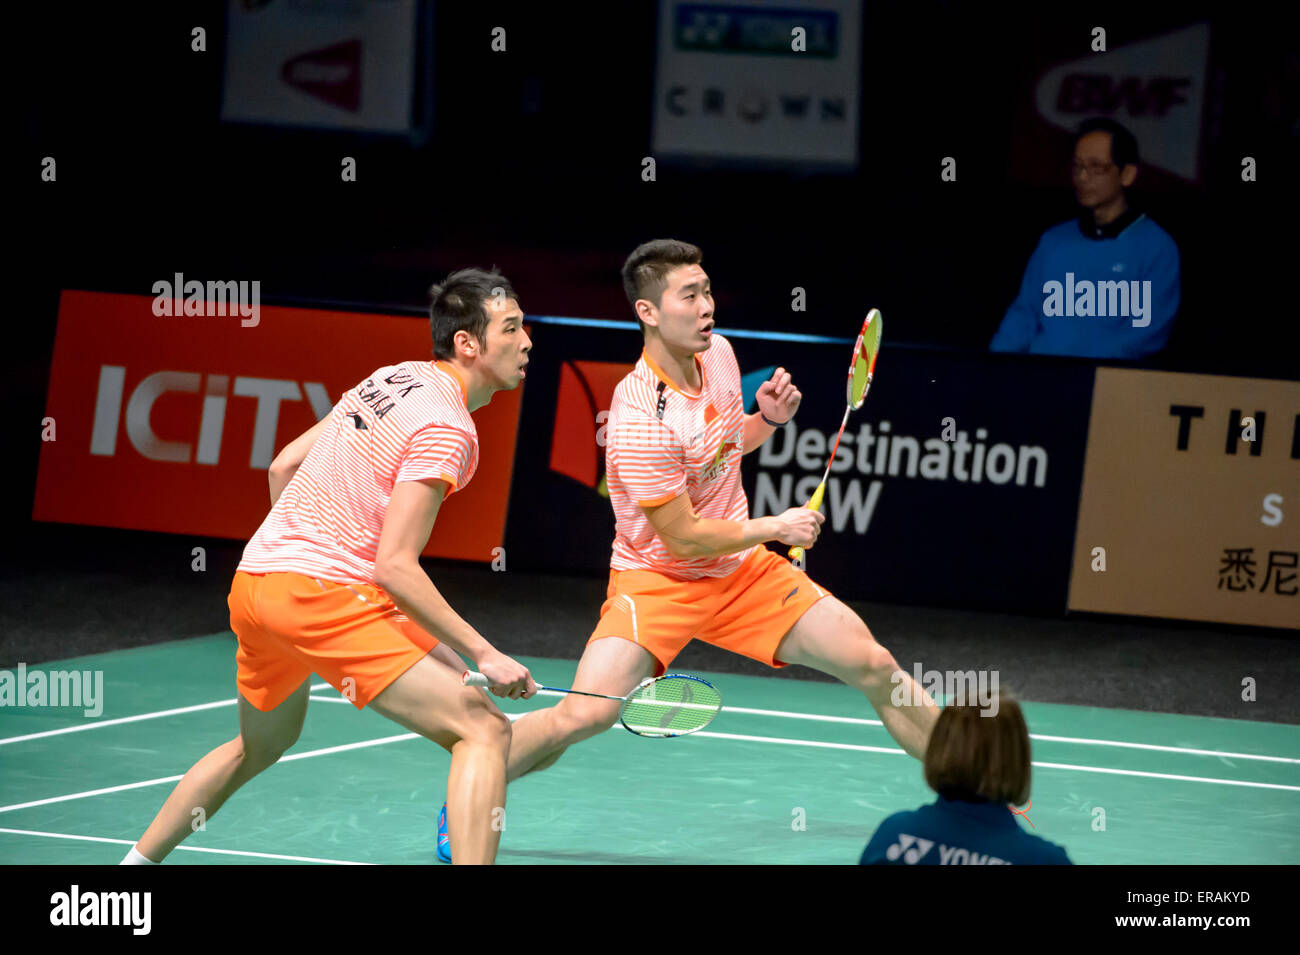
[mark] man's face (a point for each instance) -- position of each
(685, 313)
(506, 344)
(1097, 180)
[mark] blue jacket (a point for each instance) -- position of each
(1077, 256)
(953, 832)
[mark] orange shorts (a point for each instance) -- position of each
(747, 612)
(291, 626)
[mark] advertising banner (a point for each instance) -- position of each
(956, 483)
(335, 64)
(169, 422)
(1155, 87)
(1191, 499)
(757, 82)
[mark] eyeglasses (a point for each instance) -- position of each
(1092, 168)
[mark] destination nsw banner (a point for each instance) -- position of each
(956, 483)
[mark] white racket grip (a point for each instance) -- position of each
(470, 678)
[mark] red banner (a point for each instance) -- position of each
(169, 423)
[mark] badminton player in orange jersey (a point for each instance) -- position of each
(331, 583)
(688, 561)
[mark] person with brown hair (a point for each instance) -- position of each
(978, 761)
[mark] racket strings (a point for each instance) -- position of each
(670, 706)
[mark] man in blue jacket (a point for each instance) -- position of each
(1105, 285)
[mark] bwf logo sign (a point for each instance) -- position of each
(1134, 84)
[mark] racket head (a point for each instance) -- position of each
(674, 704)
(865, 351)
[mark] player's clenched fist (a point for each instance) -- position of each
(799, 526)
(509, 678)
(778, 398)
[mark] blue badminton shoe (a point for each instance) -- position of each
(444, 840)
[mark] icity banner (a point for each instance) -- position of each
(169, 422)
(956, 483)
(1191, 499)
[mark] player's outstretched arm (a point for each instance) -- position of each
(412, 510)
(691, 537)
(294, 453)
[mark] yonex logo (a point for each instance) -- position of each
(911, 848)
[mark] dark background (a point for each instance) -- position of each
(535, 159)
(534, 165)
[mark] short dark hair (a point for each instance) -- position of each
(1123, 144)
(645, 273)
(975, 757)
(458, 303)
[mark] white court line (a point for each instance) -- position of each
(1190, 779)
(223, 852)
(123, 719)
(732, 736)
(171, 779)
(1082, 769)
(1164, 749)
(726, 709)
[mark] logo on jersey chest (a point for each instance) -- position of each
(715, 442)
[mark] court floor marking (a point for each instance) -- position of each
(171, 779)
(223, 852)
(322, 687)
(157, 714)
(778, 740)
(1083, 741)
(1082, 769)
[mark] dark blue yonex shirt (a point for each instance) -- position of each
(953, 832)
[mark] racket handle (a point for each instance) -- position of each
(814, 502)
(470, 678)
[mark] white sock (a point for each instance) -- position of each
(135, 858)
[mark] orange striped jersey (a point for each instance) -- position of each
(406, 422)
(661, 441)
